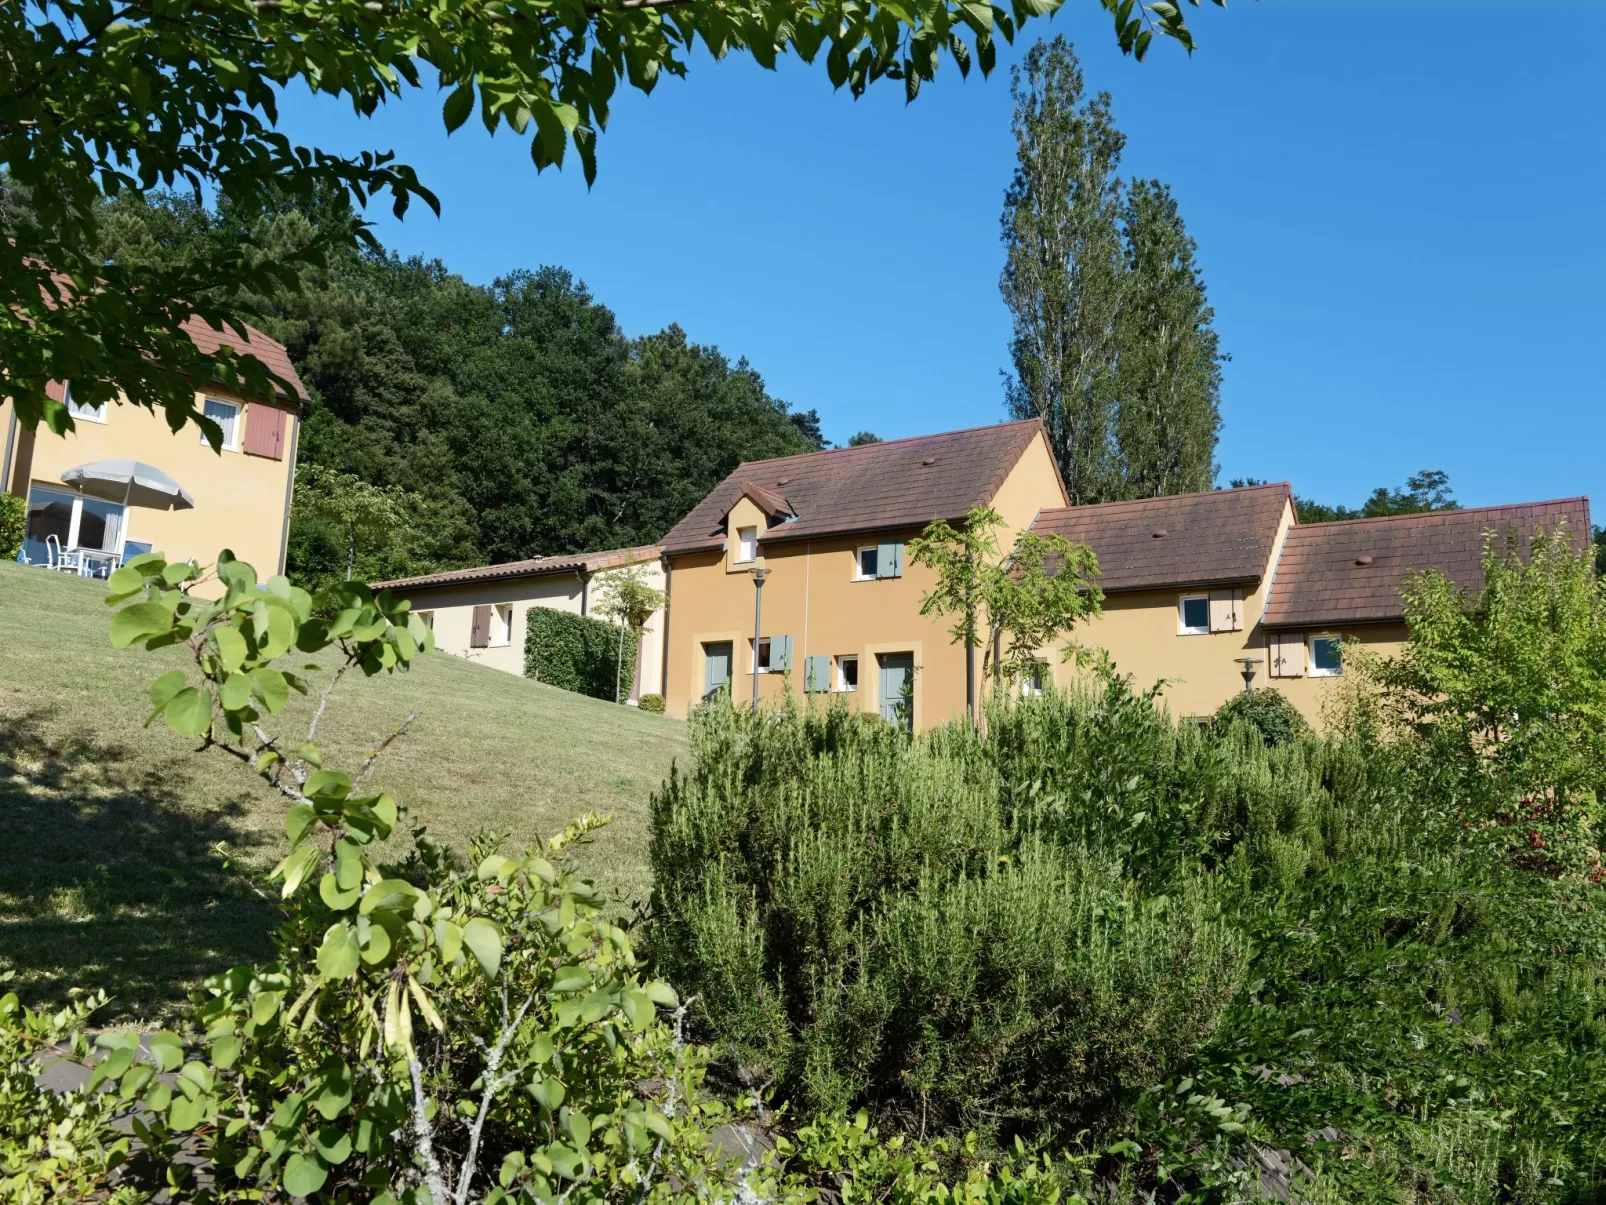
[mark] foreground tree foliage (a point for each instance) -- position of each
(1374, 961)
(100, 98)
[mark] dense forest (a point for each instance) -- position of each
(481, 423)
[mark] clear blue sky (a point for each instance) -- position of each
(1399, 209)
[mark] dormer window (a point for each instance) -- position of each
(747, 544)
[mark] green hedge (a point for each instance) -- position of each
(577, 653)
(13, 525)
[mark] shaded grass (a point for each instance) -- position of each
(127, 861)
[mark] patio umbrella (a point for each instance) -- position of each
(131, 482)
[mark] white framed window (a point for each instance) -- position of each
(227, 416)
(427, 618)
(866, 564)
(762, 655)
(1326, 657)
(1031, 683)
(1193, 615)
(746, 545)
(93, 414)
(847, 674)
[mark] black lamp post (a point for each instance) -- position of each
(758, 624)
(1248, 669)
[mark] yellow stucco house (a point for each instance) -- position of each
(481, 614)
(1197, 587)
(841, 602)
(241, 495)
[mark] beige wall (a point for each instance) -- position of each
(812, 596)
(452, 614)
(1311, 694)
(240, 500)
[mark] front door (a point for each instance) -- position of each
(896, 689)
(716, 667)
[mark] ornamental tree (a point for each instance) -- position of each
(100, 97)
(1034, 595)
(629, 601)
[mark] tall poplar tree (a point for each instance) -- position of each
(1168, 361)
(1062, 275)
(1112, 340)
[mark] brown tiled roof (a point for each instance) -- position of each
(1183, 540)
(208, 341)
(270, 351)
(575, 562)
(768, 501)
(1321, 578)
(901, 483)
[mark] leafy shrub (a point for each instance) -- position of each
(1268, 711)
(576, 652)
(863, 918)
(653, 703)
(13, 525)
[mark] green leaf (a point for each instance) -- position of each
(571, 979)
(189, 713)
(331, 894)
(163, 690)
(140, 622)
(231, 648)
(348, 865)
(269, 686)
(339, 955)
(661, 993)
(449, 939)
(185, 1113)
(124, 583)
(296, 867)
(459, 105)
(304, 1175)
(225, 1049)
(234, 692)
(335, 1094)
(333, 1143)
(167, 1052)
(484, 941)
(298, 821)
(394, 894)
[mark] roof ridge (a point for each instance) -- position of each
(1460, 510)
(1215, 493)
(887, 443)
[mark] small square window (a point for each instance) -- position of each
(1031, 684)
(227, 416)
(867, 564)
(1193, 615)
(1326, 657)
(427, 618)
(847, 673)
(95, 413)
(747, 545)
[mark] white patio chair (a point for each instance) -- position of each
(62, 559)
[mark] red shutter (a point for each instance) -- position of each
(56, 391)
(479, 634)
(264, 431)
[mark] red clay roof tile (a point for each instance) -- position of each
(1183, 540)
(576, 562)
(901, 483)
(1352, 572)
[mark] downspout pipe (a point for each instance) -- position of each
(11, 442)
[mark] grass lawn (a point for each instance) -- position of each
(113, 869)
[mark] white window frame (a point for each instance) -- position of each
(1182, 615)
(761, 645)
(95, 415)
(859, 574)
(427, 618)
(239, 418)
(502, 626)
(1311, 668)
(1031, 685)
(746, 545)
(842, 685)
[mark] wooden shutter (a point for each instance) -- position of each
(1287, 655)
(479, 632)
(1226, 610)
(816, 674)
(889, 560)
(264, 431)
(780, 653)
(56, 391)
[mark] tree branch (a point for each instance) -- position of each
(373, 754)
(426, 1145)
(493, 1061)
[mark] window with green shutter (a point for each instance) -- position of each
(816, 674)
(889, 559)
